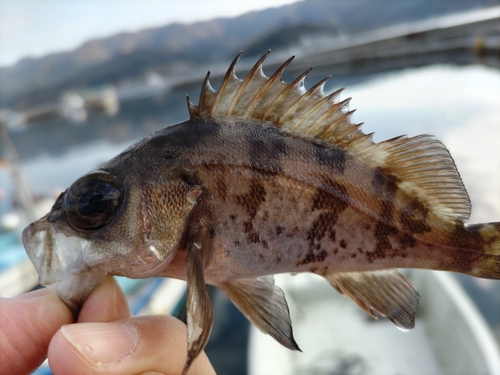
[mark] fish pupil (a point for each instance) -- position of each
(92, 203)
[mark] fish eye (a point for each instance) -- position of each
(92, 201)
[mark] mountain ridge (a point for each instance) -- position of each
(130, 55)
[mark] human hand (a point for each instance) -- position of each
(108, 340)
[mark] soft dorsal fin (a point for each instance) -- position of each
(421, 165)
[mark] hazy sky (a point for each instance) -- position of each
(37, 27)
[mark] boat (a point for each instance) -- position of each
(337, 337)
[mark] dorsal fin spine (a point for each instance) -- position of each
(191, 108)
(256, 68)
(277, 75)
(296, 83)
(329, 122)
(333, 129)
(230, 74)
(205, 92)
(312, 109)
(317, 89)
(323, 122)
(332, 126)
(334, 96)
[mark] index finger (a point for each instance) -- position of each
(27, 324)
(105, 304)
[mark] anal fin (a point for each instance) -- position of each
(264, 304)
(387, 292)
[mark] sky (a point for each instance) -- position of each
(38, 27)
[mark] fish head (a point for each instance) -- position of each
(108, 223)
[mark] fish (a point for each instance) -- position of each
(265, 177)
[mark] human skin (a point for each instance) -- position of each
(106, 340)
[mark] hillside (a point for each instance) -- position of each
(178, 47)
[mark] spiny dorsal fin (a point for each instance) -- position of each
(420, 165)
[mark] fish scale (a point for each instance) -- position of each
(265, 177)
(323, 225)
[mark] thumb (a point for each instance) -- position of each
(126, 347)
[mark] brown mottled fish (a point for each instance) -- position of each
(265, 177)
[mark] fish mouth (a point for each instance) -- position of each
(60, 263)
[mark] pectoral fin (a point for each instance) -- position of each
(264, 304)
(386, 292)
(198, 305)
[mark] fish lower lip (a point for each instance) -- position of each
(60, 263)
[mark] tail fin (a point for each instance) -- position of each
(487, 238)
